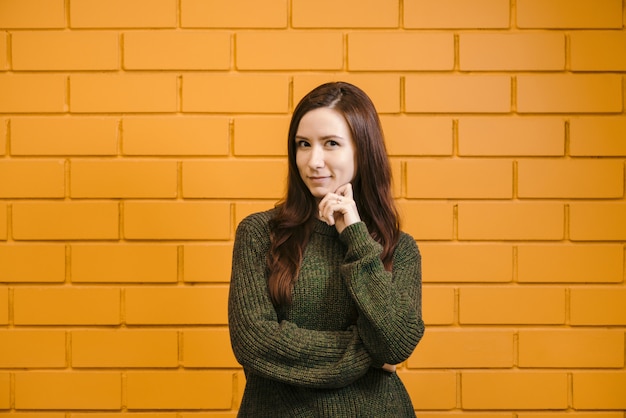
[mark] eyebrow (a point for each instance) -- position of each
(332, 136)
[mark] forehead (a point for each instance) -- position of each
(323, 121)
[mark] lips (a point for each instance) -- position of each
(318, 179)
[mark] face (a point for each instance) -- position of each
(325, 151)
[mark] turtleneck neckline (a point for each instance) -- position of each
(323, 228)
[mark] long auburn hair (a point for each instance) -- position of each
(297, 211)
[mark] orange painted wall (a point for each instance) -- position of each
(135, 134)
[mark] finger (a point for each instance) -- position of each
(325, 209)
(348, 192)
(345, 190)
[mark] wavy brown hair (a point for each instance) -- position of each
(297, 211)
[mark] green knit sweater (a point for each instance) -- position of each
(322, 355)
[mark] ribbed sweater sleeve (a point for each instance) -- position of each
(389, 303)
(276, 350)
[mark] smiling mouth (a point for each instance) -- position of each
(318, 179)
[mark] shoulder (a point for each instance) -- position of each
(407, 247)
(256, 223)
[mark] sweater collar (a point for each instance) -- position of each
(323, 228)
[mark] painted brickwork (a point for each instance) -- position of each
(135, 134)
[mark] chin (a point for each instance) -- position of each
(318, 192)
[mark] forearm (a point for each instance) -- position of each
(389, 303)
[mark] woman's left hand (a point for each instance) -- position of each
(339, 208)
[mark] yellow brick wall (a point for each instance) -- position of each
(135, 134)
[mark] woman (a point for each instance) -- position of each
(325, 293)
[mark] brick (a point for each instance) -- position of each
(32, 179)
(570, 263)
(597, 136)
(239, 378)
(244, 179)
(599, 390)
(514, 390)
(456, 14)
(3, 220)
(208, 348)
(397, 178)
(113, 414)
(5, 390)
(235, 93)
(24, 93)
(4, 305)
(604, 306)
(180, 135)
(281, 50)
(68, 390)
(571, 348)
(179, 390)
(345, 14)
(481, 349)
(441, 385)
(457, 93)
(472, 263)
(65, 220)
(4, 48)
(579, 414)
(123, 179)
(383, 89)
(512, 52)
(16, 263)
(427, 220)
(510, 221)
(65, 50)
(459, 179)
(23, 349)
(597, 221)
(75, 414)
(234, 13)
(40, 14)
(64, 136)
(417, 135)
(439, 305)
(260, 136)
(124, 348)
(177, 220)
(398, 182)
(187, 305)
(428, 51)
(66, 306)
(175, 50)
(120, 263)
(232, 414)
(207, 263)
(123, 13)
(512, 305)
(493, 136)
(569, 14)
(581, 93)
(587, 56)
(123, 93)
(4, 133)
(589, 178)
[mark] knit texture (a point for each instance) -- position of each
(322, 355)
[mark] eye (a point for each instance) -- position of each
(332, 143)
(302, 143)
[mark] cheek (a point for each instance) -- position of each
(350, 165)
(299, 162)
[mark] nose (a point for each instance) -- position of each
(316, 157)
